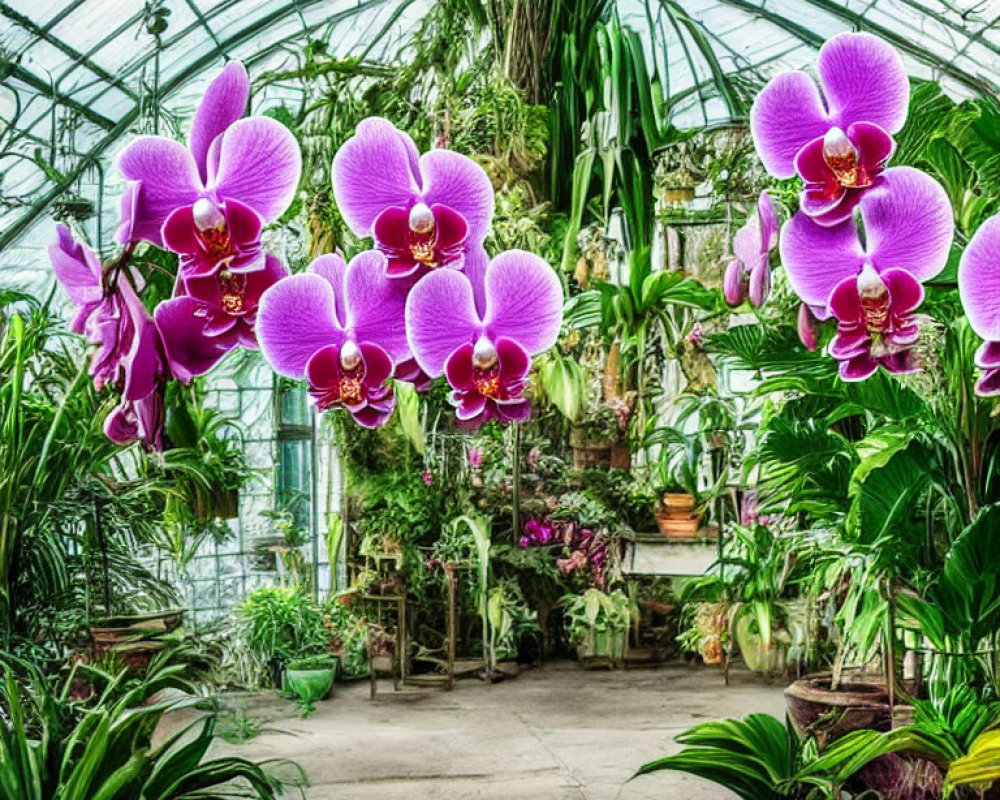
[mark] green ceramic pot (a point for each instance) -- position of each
(309, 685)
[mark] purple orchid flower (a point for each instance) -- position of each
(837, 136)
(807, 325)
(424, 212)
(977, 286)
(872, 288)
(749, 274)
(211, 315)
(341, 327)
(114, 319)
(481, 329)
(205, 201)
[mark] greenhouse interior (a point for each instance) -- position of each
(684, 497)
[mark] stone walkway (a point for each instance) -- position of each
(556, 733)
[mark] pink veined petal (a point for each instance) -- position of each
(514, 360)
(224, 102)
(875, 145)
(76, 267)
(390, 228)
(378, 364)
(179, 232)
(845, 301)
(734, 283)
(169, 180)
(905, 291)
(259, 281)
(901, 363)
(470, 407)
(371, 172)
(372, 417)
(188, 350)
(458, 182)
(988, 355)
(988, 384)
(816, 259)
(332, 268)
(142, 362)
(476, 264)
(375, 305)
(259, 165)
(858, 368)
(747, 244)
(524, 301)
(908, 223)
(244, 224)
(295, 318)
(121, 425)
(440, 317)
(848, 344)
(760, 283)
(864, 80)
(458, 368)
(979, 280)
(787, 114)
(413, 157)
(452, 228)
(767, 220)
(518, 411)
(130, 203)
(323, 367)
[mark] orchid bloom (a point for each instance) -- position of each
(749, 274)
(424, 212)
(211, 315)
(873, 286)
(837, 136)
(482, 328)
(978, 286)
(209, 200)
(128, 350)
(341, 327)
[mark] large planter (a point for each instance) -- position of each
(137, 638)
(676, 516)
(816, 709)
(309, 685)
(602, 646)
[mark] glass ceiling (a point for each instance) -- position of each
(78, 77)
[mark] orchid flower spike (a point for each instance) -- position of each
(481, 329)
(424, 211)
(836, 136)
(208, 201)
(340, 326)
(749, 274)
(978, 285)
(873, 288)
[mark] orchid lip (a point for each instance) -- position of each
(421, 219)
(844, 159)
(484, 354)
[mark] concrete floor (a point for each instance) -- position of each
(556, 733)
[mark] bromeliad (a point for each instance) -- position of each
(838, 136)
(872, 286)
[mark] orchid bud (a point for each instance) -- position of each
(484, 355)
(760, 283)
(734, 284)
(808, 327)
(350, 355)
(207, 215)
(421, 219)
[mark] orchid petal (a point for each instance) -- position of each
(514, 360)
(470, 407)
(189, 352)
(858, 368)
(375, 305)
(734, 283)
(295, 318)
(458, 182)
(458, 368)
(371, 172)
(767, 221)
(760, 283)
(76, 267)
(378, 364)
(142, 364)
(816, 259)
(169, 180)
(524, 300)
(224, 102)
(979, 280)
(787, 114)
(372, 417)
(864, 80)
(323, 367)
(476, 263)
(988, 355)
(908, 223)
(259, 165)
(440, 317)
(332, 268)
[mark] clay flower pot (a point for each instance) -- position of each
(830, 713)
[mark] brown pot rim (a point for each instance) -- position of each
(810, 690)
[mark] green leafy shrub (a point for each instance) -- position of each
(280, 624)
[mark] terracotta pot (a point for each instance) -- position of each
(678, 503)
(677, 194)
(678, 526)
(589, 454)
(621, 456)
(829, 714)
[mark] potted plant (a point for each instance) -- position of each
(310, 679)
(679, 466)
(597, 623)
(592, 437)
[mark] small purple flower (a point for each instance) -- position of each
(354, 308)
(138, 420)
(481, 329)
(836, 136)
(808, 327)
(475, 456)
(978, 285)
(424, 212)
(427, 477)
(696, 338)
(354, 377)
(749, 274)
(873, 287)
(232, 166)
